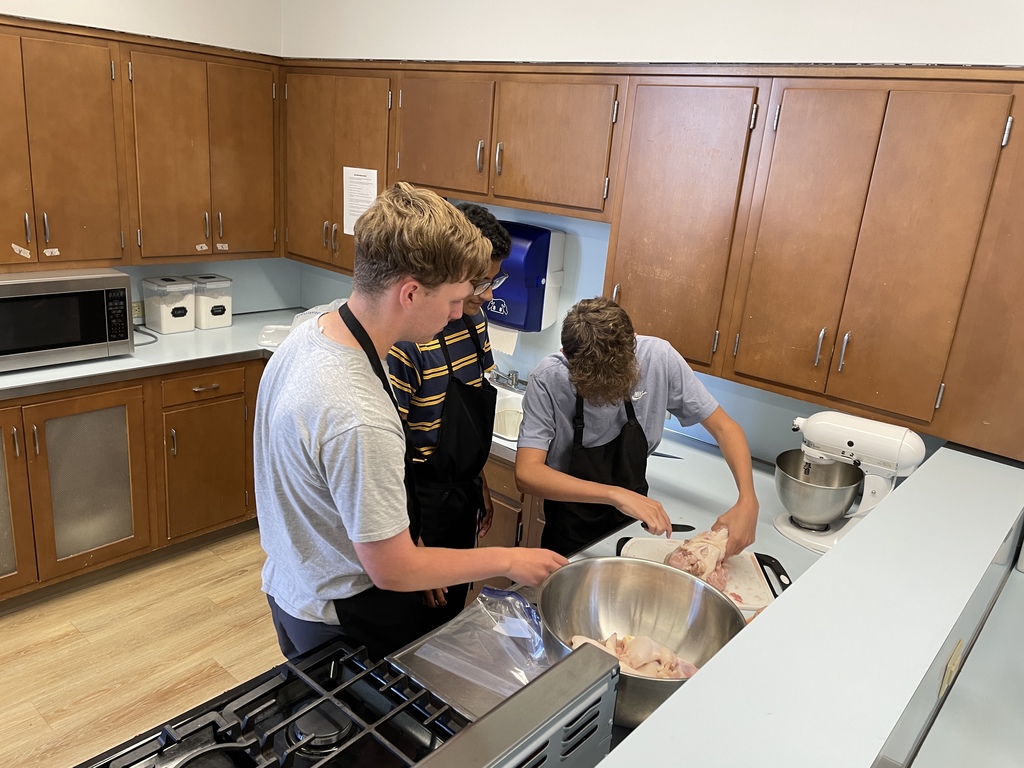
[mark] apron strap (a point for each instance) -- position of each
(577, 421)
(357, 330)
(474, 336)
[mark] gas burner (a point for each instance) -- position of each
(320, 731)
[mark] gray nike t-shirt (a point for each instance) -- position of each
(667, 383)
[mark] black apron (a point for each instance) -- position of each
(448, 482)
(380, 619)
(570, 526)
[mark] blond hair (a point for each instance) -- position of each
(600, 346)
(411, 232)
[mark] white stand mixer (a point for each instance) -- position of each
(882, 451)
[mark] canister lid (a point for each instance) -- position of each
(211, 281)
(169, 283)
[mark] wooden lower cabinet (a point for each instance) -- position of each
(17, 545)
(206, 447)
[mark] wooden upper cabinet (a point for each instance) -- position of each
(242, 157)
(983, 400)
(204, 149)
(542, 141)
(875, 195)
(172, 150)
(70, 97)
(817, 174)
(18, 243)
(444, 138)
(683, 171)
(552, 141)
(337, 139)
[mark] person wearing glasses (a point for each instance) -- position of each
(594, 413)
(444, 396)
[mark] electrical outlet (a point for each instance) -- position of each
(137, 313)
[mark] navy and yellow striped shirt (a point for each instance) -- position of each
(419, 376)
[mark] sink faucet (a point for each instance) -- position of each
(510, 380)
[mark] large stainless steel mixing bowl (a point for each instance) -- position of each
(598, 596)
(822, 495)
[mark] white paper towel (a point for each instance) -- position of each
(502, 339)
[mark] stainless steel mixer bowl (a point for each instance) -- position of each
(820, 497)
(598, 596)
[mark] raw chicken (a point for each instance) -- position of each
(703, 556)
(641, 656)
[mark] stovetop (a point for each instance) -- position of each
(330, 708)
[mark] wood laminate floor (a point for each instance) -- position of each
(83, 671)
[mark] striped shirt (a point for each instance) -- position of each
(419, 376)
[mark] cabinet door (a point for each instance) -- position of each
(309, 109)
(17, 547)
(87, 474)
(444, 132)
(72, 101)
(670, 269)
(172, 152)
(242, 157)
(929, 190)
(204, 458)
(983, 402)
(360, 143)
(17, 240)
(552, 141)
(813, 183)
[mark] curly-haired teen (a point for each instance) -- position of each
(594, 413)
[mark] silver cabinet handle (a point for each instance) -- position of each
(334, 237)
(479, 158)
(497, 157)
(174, 443)
(46, 227)
(817, 354)
(842, 352)
(206, 223)
(35, 437)
(326, 225)
(28, 228)
(220, 225)
(17, 448)
(211, 388)
(615, 293)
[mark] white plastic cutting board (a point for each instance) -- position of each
(745, 583)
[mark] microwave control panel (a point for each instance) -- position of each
(117, 314)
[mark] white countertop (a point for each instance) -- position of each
(824, 674)
(238, 341)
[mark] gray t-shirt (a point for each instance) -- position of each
(329, 468)
(666, 384)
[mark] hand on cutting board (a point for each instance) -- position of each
(647, 510)
(741, 520)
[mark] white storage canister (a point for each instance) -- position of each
(170, 304)
(213, 301)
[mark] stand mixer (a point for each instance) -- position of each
(818, 510)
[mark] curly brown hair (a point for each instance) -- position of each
(599, 343)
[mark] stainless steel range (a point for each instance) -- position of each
(335, 708)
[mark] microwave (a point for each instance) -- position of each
(48, 318)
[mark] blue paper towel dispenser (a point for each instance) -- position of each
(528, 300)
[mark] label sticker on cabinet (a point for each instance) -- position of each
(202, 247)
(51, 251)
(21, 251)
(222, 246)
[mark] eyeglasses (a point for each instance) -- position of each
(493, 283)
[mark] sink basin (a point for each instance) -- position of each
(508, 413)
